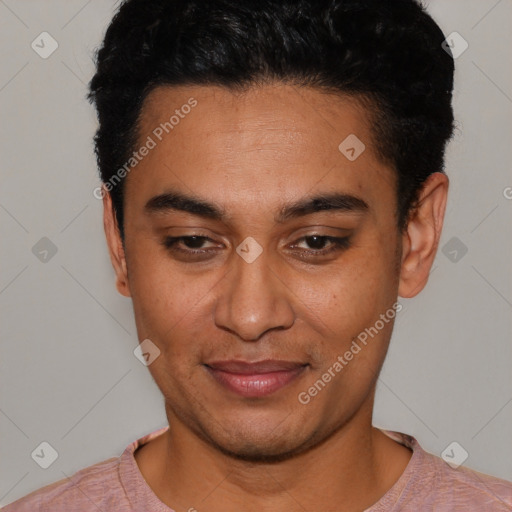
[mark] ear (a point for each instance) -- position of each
(421, 237)
(115, 245)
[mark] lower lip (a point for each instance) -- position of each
(255, 385)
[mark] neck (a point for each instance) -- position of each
(349, 471)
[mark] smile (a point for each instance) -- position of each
(253, 380)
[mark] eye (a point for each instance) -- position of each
(193, 242)
(193, 245)
(318, 243)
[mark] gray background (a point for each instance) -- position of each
(68, 373)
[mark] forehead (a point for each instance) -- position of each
(273, 139)
(259, 114)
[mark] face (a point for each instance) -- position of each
(254, 271)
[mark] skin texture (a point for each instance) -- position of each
(251, 153)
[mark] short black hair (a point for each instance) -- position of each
(385, 52)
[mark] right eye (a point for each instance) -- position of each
(193, 242)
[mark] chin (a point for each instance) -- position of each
(260, 452)
(250, 445)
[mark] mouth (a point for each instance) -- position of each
(254, 380)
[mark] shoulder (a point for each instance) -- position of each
(88, 488)
(430, 483)
(113, 484)
(464, 487)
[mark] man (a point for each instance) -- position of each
(272, 183)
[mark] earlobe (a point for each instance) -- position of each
(421, 237)
(115, 245)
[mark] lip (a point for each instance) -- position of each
(257, 379)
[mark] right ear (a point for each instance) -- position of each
(115, 244)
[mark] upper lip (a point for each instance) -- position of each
(248, 368)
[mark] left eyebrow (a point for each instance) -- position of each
(175, 200)
(323, 202)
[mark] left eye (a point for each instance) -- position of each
(317, 242)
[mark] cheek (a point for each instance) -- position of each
(349, 302)
(358, 288)
(163, 296)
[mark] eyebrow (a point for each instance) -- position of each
(178, 201)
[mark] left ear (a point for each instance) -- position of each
(421, 237)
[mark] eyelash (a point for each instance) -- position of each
(338, 244)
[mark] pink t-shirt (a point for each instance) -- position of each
(427, 484)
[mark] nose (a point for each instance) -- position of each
(254, 299)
